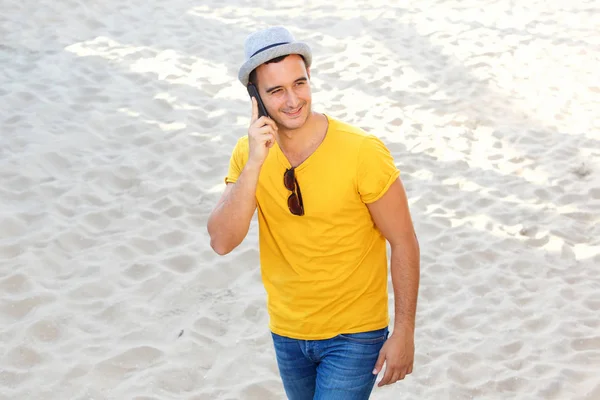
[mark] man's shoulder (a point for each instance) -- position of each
(242, 141)
(352, 137)
(346, 128)
(242, 146)
(349, 136)
(241, 151)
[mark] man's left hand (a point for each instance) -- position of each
(398, 353)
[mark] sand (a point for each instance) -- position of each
(117, 120)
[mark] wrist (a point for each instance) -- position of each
(253, 167)
(404, 326)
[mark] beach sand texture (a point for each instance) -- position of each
(117, 120)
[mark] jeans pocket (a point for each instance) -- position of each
(370, 337)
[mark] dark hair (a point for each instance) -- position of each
(253, 79)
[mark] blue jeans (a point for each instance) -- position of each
(340, 368)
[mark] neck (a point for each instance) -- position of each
(298, 140)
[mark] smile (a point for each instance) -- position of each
(294, 114)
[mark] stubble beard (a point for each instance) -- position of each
(296, 124)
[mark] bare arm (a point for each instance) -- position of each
(405, 280)
(229, 222)
(392, 217)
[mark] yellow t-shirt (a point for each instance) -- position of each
(325, 272)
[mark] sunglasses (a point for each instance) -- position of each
(295, 200)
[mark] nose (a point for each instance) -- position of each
(292, 99)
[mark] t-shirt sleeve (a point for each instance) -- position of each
(238, 159)
(376, 169)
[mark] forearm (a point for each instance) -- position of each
(405, 271)
(230, 220)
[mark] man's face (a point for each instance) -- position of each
(285, 90)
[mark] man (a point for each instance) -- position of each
(328, 196)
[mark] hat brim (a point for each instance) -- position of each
(274, 52)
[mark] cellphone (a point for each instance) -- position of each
(253, 92)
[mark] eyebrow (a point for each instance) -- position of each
(303, 79)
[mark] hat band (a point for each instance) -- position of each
(268, 47)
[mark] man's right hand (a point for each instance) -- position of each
(261, 136)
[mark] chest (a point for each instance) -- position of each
(326, 190)
(297, 157)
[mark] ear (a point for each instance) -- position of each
(308, 72)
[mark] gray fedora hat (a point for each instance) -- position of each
(268, 44)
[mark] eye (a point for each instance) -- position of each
(276, 91)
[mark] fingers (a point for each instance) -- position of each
(268, 128)
(254, 110)
(398, 376)
(379, 363)
(270, 141)
(264, 131)
(393, 375)
(262, 121)
(387, 377)
(267, 140)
